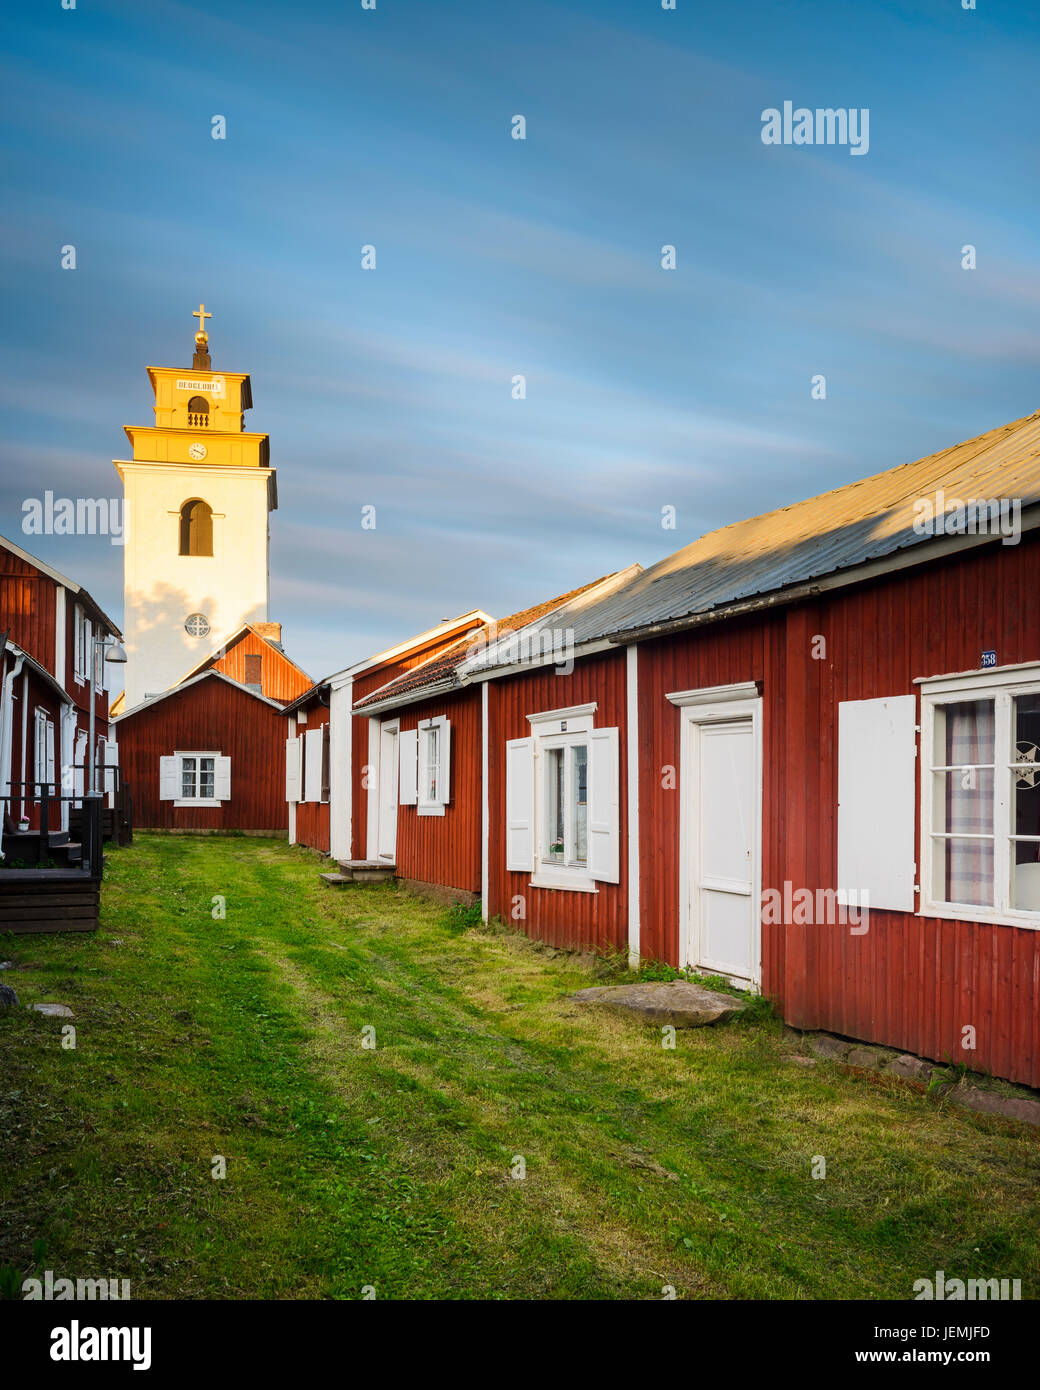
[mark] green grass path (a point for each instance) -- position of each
(392, 1166)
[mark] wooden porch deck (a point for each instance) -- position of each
(49, 900)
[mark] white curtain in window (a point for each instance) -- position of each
(969, 803)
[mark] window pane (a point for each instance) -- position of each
(206, 777)
(964, 871)
(1025, 775)
(554, 798)
(432, 753)
(963, 801)
(969, 730)
(581, 810)
(187, 777)
(1025, 799)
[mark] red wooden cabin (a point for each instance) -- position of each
(832, 707)
(201, 753)
(426, 755)
(46, 686)
(328, 756)
(206, 756)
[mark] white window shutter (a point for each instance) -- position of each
(520, 805)
(169, 779)
(108, 777)
(292, 769)
(79, 754)
(312, 773)
(50, 756)
(876, 801)
(604, 809)
(444, 764)
(39, 747)
(408, 754)
(222, 778)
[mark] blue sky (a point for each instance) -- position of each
(645, 388)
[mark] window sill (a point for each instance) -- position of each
(432, 808)
(571, 883)
(203, 801)
(957, 912)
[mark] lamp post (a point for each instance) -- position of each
(109, 650)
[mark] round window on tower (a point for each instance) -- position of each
(197, 625)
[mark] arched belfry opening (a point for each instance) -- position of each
(198, 412)
(196, 527)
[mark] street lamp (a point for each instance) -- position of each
(109, 650)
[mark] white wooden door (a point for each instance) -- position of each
(386, 843)
(723, 854)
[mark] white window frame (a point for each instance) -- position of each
(431, 731)
(1001, 684)
(180, 755)
(79, 644)
(560, 728)
(43, 754)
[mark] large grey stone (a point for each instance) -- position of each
(678, 1002)
(826, 1046)
(8, 998)
(990, 1103)
(54, 1010)
(865, 1057)
(911, 1067)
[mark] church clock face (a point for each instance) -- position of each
(197, 451)
(196, 625)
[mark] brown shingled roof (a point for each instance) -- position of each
(442, 667)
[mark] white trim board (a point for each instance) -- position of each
(714, 694)
(632, 762)
(485, 810)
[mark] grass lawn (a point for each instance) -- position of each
(393, 1167)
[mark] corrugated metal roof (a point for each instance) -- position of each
(837, 530)
(440, 671)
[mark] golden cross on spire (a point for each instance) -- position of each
(202, 316)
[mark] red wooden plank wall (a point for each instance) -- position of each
(365, 684)
(27, 608)
(575, 921)
(446, 849)
(280, 679)
(312, 825)
(910, 982)
(725, 654)
(312, 817)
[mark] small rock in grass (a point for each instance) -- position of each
(988, 1102)
(54, 1010)
(801, 1061)
(910, 1067)
(862, 1057)
(8, 998)
(678, 1002)
(826, 1046)
(6, 964)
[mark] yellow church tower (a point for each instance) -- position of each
(198, 491)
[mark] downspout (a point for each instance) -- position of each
(6, 737)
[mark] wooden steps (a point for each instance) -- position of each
(360, 871)
(48, 900)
